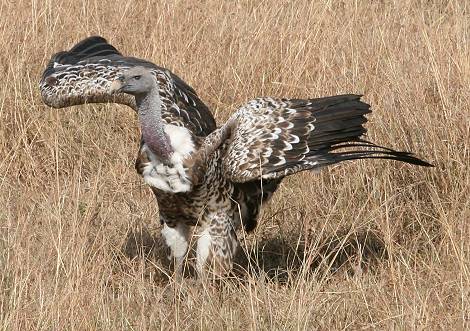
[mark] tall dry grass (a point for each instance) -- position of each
(362, 245)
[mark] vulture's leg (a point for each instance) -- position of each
(217, 245)
(176, 237)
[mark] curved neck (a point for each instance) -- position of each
(149, 109)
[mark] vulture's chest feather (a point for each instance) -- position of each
(170, 176)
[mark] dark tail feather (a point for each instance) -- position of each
(93, 46)
(338, 119)
(366, 150)
(85, 49)
(338, 128)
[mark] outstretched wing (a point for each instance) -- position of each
(84, 75)
(273, 138)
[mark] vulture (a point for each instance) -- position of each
(215, 178)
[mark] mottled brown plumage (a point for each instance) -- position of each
(85, 73)
(214, 178)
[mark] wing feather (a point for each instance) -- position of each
(273, 138)
(84, 75)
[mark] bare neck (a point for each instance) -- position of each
(149, 109)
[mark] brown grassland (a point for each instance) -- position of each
(362, 245)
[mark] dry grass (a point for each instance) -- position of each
(362, 245)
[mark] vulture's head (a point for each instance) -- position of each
(135, 81)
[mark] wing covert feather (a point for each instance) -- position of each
(84, 75)
(273, 138)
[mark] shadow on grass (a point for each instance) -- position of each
(341, 252)
(276, 258)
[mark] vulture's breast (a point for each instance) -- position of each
(170, 176)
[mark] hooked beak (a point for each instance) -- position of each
(116, 86)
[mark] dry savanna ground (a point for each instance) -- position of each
(362, 245)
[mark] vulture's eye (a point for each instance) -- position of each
(137, 77)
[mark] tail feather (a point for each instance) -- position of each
(338, 128)
(307, 134)
(85, 49)
(94, 46)
(367, 150)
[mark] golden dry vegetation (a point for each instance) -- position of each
(363, 245)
